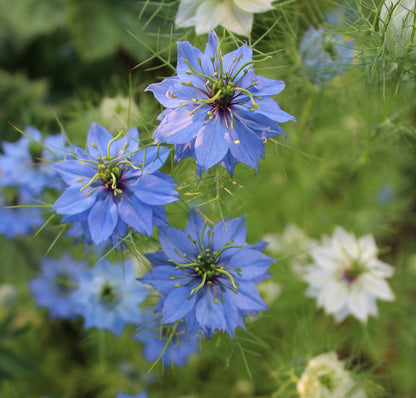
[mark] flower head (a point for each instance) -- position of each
(218, 110)
(207, 275)
(121, 394)
(324, 55)
(347, 277)
(326, 377)
(55, 288)
(115, 185)
(108, 296)
(172, 342)
(234, 15)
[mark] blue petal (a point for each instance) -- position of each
(154, 190)
(150, 159)
(187, 52)
(159, 258)
(210, 144)
(177, 304)
(252, 263)
(131, 137)
(71, 170)
(270, 108)
(98, 137)
(102, 219)
(209, 315)
(235, 59)
(247, 298)
(265, 86)
(159, 278)
(135, 214)
(73, 201)
(175, 244)
(159, 216)
(232, 230)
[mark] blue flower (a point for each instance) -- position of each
(108, 296)
(174, 340)
(207, 275)
(324, 55)
(55, 288)
(120, 394)
(115, 185)
(27, 165)
(218, 110)
(18, 220)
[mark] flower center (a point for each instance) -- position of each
(223, 91)
(65, 283)
(108, 294)
(35, 151)
(110, 173)
(351, 274)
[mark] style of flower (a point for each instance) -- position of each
(55, 288)
(234, 15)
(171, 343)
(26, 163)
(324, 55)
(207, 275)
(347, 277)
(326, 377)
(115, 185)
(121, 394)
(218, 110)
(108, 296)
(18, 220)
(397, 23)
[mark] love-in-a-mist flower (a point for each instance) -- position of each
(171, 344)
(121, 394)
(115, 185)
(326, 377)
(55, 287)
(208, 275)
(234, 15)
(218, 110)
(108, 296)
(26, 164)
(325, 54)
(346, 276)
(398, 24)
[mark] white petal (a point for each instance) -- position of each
(380, 269)
(345, 243)
(186, 13)
(208, 16)
(325, 257)
(342, 314)
(376, 286)
(236, 20)
(254, 5)
(368, 248)
(358, 304)
(337, 298)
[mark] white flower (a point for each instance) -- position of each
(397, 22)
(118, 113)
(234, 15)
(269, 291)
(346, 276)
(325, 377)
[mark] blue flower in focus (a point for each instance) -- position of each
(177, 343)
(120, 394)
(108, 296)
(18, 220)
(115, 185)
(324, 55)
(208, 276)
(27, 165)
(55, 288)
(218, 110)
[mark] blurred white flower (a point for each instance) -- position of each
(269, 291)
(118, 113)
(234, 15)
(397, 22)
(8, 295)
(325, 377)
(347, 277)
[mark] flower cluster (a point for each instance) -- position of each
(207, 275)
(115, 185)
(346, 276)
(218, 110)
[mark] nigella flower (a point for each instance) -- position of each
(207, 275)
(171, 343)
(347, 277)
(108, 296)
(18, 220)
(54, 289)
(218, 110)
(115, 185)
(27, 164)
(121, 394)
(324, 55)
(234, 15)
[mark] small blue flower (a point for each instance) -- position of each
(208, 276)
(324, 55)
(108, 296)
(218, 110)
(120, 394)
(55, 288)
(27, 165)
(18, 220)
(177, 343)
(115, 185)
